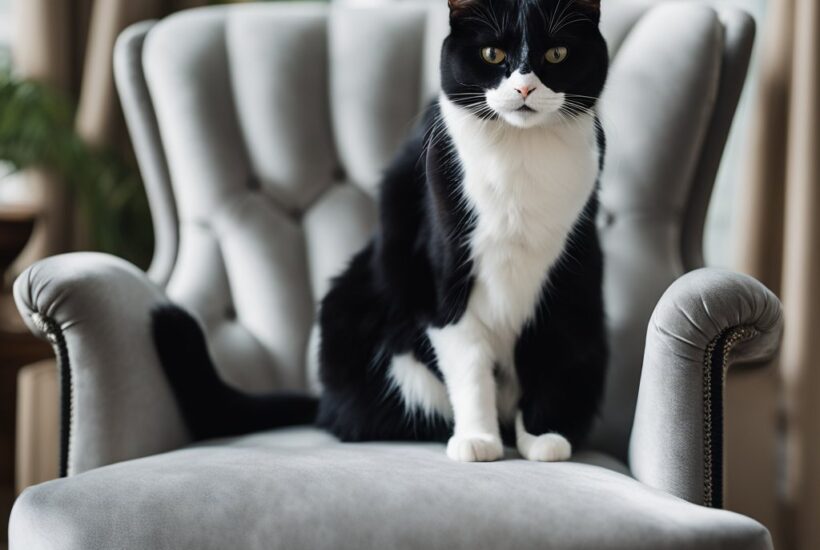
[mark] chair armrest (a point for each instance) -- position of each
(115, 401)
(706, 321)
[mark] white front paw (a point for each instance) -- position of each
(547, 448)
(475, 448)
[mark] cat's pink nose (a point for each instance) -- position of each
(525, 90)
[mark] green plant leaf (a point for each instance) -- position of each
(37, 130)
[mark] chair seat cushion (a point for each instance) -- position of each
(300, 488)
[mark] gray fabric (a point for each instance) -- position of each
(300, 489)
(142, 126)
(121, 406)
(260, 348)
(617, 21)
(273, 160)
(374, 105)
(738, 37)
(657, 109)
(667, 444)
(283, 124)
(248, 155)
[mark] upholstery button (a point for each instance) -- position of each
(605, 219)
(230, 312)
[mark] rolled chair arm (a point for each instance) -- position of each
(116, 403)
(707, 321)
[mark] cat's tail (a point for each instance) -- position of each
(208, 405)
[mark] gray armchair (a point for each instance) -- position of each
(261, 131)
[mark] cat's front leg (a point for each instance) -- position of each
(546, 447)
(465, 359)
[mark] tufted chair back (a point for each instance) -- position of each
(262, 131)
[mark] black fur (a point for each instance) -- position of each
(416, 272)
(210, 407)
(525, 37)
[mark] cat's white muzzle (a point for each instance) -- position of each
(523, 101)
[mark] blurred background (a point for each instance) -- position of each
(69, 181)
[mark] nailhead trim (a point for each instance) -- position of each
(713, 433)
(52, 331)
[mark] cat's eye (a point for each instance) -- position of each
(493, 55)
(557, 54)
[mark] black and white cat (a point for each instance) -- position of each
(476, 310)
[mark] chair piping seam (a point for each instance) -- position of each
(54, 334)
(715, 367)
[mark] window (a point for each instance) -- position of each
(5, 30)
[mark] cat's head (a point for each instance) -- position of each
(527, 62)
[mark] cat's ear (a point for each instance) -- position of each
(461, 7)
(591, 6)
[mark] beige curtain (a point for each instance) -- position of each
(69, 44)
(48, 45)
(779, 239)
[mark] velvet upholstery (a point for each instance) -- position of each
(261, 132)
(299, 488)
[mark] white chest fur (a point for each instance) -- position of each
(527, 188)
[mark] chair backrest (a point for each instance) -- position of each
(262, 131)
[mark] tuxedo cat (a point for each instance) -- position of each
(475, 314)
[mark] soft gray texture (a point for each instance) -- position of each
(667, 111)
(121, 405)
(738, 38)
(692, 313)
(651, 158)
(300, 489)
(271, 124)
(371, 120)
(147, 142)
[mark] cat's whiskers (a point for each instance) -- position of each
(567, 18)
(494, 16)
(438, 125)
(541, 12)
(479, 112)
(570, 21)
(485, 16)
(556, 16)
(567, 120)
(571, 95)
